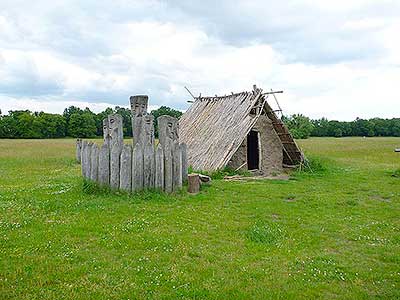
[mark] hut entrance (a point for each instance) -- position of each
(252, 151)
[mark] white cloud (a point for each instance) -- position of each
(332, 59)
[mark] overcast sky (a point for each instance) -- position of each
(338, 59)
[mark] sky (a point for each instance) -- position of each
(336, 59)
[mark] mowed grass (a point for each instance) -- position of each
(331, 234)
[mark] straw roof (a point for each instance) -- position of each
(215, 127)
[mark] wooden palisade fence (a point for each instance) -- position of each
(141, 165)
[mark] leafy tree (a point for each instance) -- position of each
(299, 126)
(50, 125)
(82, 125)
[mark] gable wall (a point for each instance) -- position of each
(271, 150)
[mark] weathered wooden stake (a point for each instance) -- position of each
(184, 162)
(104, 165)
(126, 169)
(84, 158)
(137, 168)
(193, 183)
(78, 150)
(94, 163)
(88, 159)
(176, 166)
(159, 174)
(148, 167)
(168, 169)
(114, 165)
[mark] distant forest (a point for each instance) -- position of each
(76, 122)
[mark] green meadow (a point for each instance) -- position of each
(332, 232)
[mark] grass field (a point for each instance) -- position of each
(331, 234)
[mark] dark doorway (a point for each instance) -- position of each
(252, 151)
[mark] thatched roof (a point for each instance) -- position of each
(215, 127)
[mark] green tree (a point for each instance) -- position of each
(82, 125)
(50, 125)
(299, 126)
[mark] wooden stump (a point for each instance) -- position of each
(193, 183)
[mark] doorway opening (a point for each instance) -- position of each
(253, 157)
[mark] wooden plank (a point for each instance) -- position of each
(125, 176)
(148, 167)
(159, 176)
(137, 168)
(168, 169)
(104, 165)
(94, 163)
(115, 166)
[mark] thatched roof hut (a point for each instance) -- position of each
(240, 130)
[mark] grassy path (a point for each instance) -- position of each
(331, 234)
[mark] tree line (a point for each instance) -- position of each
(74, 122)
(302, 127)
(77, 122)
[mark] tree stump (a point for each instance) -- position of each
(193, 183)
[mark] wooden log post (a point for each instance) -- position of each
(168, 169)
(115, 158)
(176, 167)
(104, 165)
(149, 166)
(78, 150)
(137, 168)
(94, 163)
(184, 162)
(159, 174)
(126, 169)
(88, 159)
(193, 183)
(84, 158)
